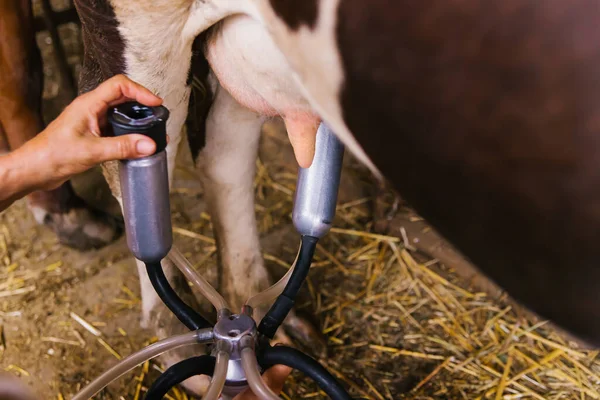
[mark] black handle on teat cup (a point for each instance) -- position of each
(133, 117)
(145, 182)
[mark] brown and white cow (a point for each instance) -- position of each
(482, 114)
(75, 223)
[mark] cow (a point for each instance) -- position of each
(76, 224)
(480, 114)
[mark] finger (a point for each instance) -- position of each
(274, 377)
(121, 148)
(116, 90)
(121, 86)
(302, 133)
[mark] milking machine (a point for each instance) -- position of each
(240, 349)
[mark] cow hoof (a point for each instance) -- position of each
(301, 330)
(297, 330)
(76, 224)
(80, 228)
(386, 205)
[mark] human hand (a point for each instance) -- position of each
(274, 377)
(72, 143)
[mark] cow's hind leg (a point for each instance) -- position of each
(155, 315)
(158, 59)
(61, 209)
(228, 164)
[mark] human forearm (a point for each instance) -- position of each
(11, 175)
(72, 143)
(20, 174)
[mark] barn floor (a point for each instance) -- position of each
(399, 323)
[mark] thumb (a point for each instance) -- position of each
(274, 377)
(123, 147)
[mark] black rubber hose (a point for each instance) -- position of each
(285, 301)
(298, 360)
(177, 373)
(186, 314)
